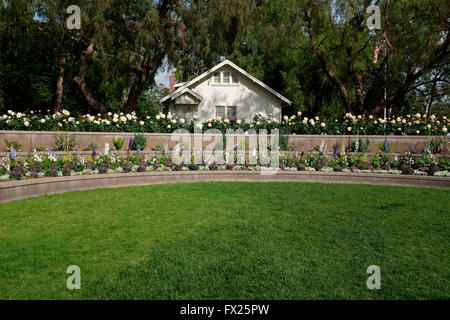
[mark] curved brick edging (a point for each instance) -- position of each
(17, 190)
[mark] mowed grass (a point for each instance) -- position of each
(228, 241)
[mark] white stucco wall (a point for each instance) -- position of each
(248, 97)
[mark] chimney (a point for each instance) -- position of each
(171, 84)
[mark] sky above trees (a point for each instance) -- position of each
(320, 54)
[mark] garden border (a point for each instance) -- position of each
(31, 139)
(23, 189)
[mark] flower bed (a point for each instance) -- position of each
(296, 124)
(35, 165)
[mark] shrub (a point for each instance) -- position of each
(18, 172)
(284, 141)
(359, 145)
(16, 145)
(118, 144)
(64, 142)
(92, 146)
(381, 147)
(139, 142)
(436, 145)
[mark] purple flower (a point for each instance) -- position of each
(319, 166)
(94, 153)
(292, 164)
(243, 167)
(354, 167)
(156, 165)
(168, 163)
(387, 166)
(259, 164)
(213, 166)
(369, 166)
(424, 169)
(230, 166)
(130, 144)
(378, 168)
(282, 165)
(385, 145)
(301, 167)
(307, 146)
(142, 167)
(53, 171)
(76, 148)
(335, 151)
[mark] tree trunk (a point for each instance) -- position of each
(138, 86)
(59, 84)
(330, 73)
(80, 80)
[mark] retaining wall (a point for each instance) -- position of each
(32, 139)
(16, 190)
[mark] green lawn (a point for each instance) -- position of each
(228, 241)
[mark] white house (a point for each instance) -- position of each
(225, 91)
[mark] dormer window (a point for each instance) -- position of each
(234, 77)
(225, 77)
(216, 77)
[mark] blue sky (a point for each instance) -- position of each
(162, 77)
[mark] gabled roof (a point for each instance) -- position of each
(186, 90)
(212, 70)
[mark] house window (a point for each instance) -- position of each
(220, 112)
(234, 77)
(226, 78)
(226, 113)
(216, 77)
(231, 113)
(186, 112)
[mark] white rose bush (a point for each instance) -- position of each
(161, 123)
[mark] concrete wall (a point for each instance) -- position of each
(16, 190)
(32, 139)
(248, 97)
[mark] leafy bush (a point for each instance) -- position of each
(381, 147)
(139, 142)
(118, 144)
(359, 145)
(64, 142)
(92, 146)
(436, 144)
(284, 141)
(16, 145)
